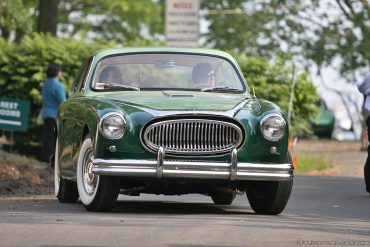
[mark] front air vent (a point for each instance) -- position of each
(188, 136)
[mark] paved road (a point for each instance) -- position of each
(325, 209)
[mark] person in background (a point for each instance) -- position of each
(364, 88)
(53, 94)
(364, 138)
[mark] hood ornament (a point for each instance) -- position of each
(254, 92)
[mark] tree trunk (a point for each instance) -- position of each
(48, 16)
(18, 35)
(4, 33)
(1, 6)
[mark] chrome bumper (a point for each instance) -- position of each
(161, 168)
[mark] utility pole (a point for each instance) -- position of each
(291, 96)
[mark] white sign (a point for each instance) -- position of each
(182, 22)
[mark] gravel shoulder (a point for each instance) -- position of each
(346, 157)
(25, 180)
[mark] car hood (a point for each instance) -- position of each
(178, 100)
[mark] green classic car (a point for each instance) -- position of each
(323, 124)
(169, 121)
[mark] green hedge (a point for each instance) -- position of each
(23, 71)
(23, 68)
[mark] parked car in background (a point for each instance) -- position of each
(169, 121)
(323, 124)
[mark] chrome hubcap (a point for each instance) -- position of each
(90, 180)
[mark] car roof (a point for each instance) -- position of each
(202, 51)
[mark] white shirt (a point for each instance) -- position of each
(364, 88)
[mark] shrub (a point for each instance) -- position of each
(23, 71)
(274, 83)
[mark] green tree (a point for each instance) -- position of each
(274, 82)
(16, 17)
(345, 36)
(322, 33)
(119, 20)
(243, 26)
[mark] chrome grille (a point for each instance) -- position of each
(193, 136)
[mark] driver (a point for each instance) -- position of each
(203, 75)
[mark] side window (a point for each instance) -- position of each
(82, 80)
(81, 76)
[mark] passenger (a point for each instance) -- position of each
(203, 76)
(111, 74)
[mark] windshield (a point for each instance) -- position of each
(167, 71)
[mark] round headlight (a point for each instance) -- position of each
(273, 127)
(112, 126)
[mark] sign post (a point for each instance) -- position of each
(182, 23)
(14, 114)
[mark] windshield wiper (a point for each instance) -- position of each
(117, 86)
(212, 89)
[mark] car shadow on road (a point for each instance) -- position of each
(174, 207)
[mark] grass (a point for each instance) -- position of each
(18, 160)
(312, 162)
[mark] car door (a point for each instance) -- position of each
(70, 124)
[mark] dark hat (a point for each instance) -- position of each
(53, 70)
(201, 70)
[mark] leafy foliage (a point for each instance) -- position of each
(253, 27)
(16, 15)
(345, 36)
(322, 33)
(119, 20)
(274, 82)
(23, 71)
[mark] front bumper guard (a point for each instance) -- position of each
(161, 168)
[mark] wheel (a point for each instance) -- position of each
(221, 198)
(65, 190)
(97, 193)
(269, 197)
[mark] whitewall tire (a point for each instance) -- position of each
(97, 193)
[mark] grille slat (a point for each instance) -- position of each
(193, 136)
(180, 139)
(187, 136)
(201, 136)
(176, 136)
(208, 135)
(212, 136)
(197, 134)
